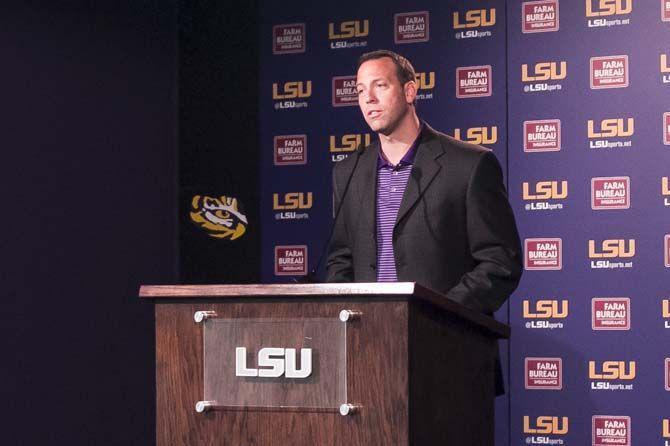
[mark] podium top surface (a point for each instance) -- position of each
(389, 290)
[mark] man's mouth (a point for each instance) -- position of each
(374, 114)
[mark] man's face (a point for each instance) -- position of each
(382, 99)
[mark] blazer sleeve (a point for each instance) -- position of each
(339, 264)
(493, 239)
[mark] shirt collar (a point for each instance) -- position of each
(408, 159)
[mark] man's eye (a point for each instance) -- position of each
(359, 92)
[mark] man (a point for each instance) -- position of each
(418, 205)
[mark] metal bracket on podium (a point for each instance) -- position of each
(350, 315)
(201, 316)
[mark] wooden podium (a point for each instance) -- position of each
(419, 367)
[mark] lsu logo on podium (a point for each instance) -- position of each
(288, 39)
(541, 313)
(610, 193)
(601, 133)
(602, 256)
(472, 19)
(543, 373)
(412, 27)
(348, 34)
(478, 135)
(290, 150)
(609, 72)
(539, 16)
(543, 254)
(542, 193)
(608, 430)
(538, 76)
(342, 145)
(291, 260)
(610, 313)
(545, 425)
(275, 362)
(542, 135)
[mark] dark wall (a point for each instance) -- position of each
(89, 203)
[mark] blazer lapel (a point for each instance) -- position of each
(366, 186)
(423, 171)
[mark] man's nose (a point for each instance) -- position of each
(370, 98)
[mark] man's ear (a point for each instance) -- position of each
(410, 92)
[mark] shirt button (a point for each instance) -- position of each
(395, 172)
(393, 189)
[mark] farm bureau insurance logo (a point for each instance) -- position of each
(288, 94)
(538, 76)
(543, 373)
(610, 313)
(411, 27)
(474, 82)
(291, 260)
(543, 195)
(543, 253)
(609, 72)
(608, 430)
(472, 19)
(425, 84)
(220, 217)
(340, 146)
(598, 12)
(290, 150)
(665, 10)
(545, 313)
(603, 255)
(288, 39)
(612, 375)
(539, 16)
(665, 68)
(344, 91)
(610, 133)
(289, 204)
(348, 34)
(478, 135)
(545, 429)
(610, 193)
(542, 135)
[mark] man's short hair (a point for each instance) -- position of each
(404, 69)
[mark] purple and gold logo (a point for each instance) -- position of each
(348, 34)
(342, 145)
(412, 27)
(665, 68)
(666, 430)
(344, 91)
(290, 150)
(478, 135)
(608, 133)
(601, 13)
(608, 430)
(612, 375)
(288, 39)
(473, 82)
(543, 76)
(542, 135)
(288, 94)
(544, 373)
(543, 253)
(610, 193)
(539, 16)
(545, 313)
(542, 428)
(425, 83)
(609, 72)
(665, 190)
(543, 195)
(603, 256)
(220, 217)
(610, 313)
(665, 312)
(468, 22)
(291, 260)
(292, 205)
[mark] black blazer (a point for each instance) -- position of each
(455, 232)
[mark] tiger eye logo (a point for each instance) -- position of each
(219, 217)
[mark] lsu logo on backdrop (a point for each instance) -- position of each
(608, 430)
(610, 313)
(348, 34)
(290, 150)
(666, 128)
(543, 373)
(543, 194)
(545, 429)
(539, 16)
(289, 204)
(543, 254)
(342, 145)
(220, 217)
(472, 19)
(609, 72)
(412, 27)
(291, 260)
(542, 135)
(603, 255)
(344, 91)
(543, 76)
(665, 311)
(425, 83)
(478, 135)
(665, 10)
(473, 82)
(288, 39)
(610, 193)
(288, 94)
(599, 11)
(601, 134)
(665, 190)
(666, 430)
(545, 313)
(665, 68)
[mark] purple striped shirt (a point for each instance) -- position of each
(391, 184)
